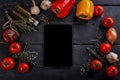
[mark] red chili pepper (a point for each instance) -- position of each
(62, 7)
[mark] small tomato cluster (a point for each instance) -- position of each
(105, 47)
(8, 63)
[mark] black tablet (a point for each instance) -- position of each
(58, 45)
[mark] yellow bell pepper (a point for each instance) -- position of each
(85, 9)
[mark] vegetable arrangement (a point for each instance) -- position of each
(103, 52)
(85, 10)
(25, 58)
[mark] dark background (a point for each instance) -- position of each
(84, 34)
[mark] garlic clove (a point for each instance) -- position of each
(45, 4)
(35, 10)
(112, 57)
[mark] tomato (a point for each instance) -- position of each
(99, 10)
(23, 67)
(105, 47)
(10, 35)
(15, 47)
(112, 71)
(96, 65)
(108, 22)
(7, 63)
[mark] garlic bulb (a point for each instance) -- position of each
(112, 57)
(45, 4)
(35, 9)
(111, 35)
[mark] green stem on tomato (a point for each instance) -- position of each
(99, 10)
(6, 63)
(109, 21)
(112, 71)
(57, 10)
(23, 69)
(96, 65)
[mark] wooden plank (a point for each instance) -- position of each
(96, 2)
(83, 31)
(89, 30)
(107, 2)
(104, 2)
(49, 73)
(80, 56)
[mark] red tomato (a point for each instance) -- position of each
(99, 10)
(10, 35)
(105, 47)
(112, 71)
(108, 22)
(96, 65)
(7, 63)
(15, 47)
(23, 67)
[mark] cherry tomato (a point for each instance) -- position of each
(105, 47)
(99, 10)
(7, 63)
(96, 65)
(10, 35)
(108, 22)
(112, 71)
(23, 67)
(15, 47)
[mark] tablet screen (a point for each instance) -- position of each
(58, 45)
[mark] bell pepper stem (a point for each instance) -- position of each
(82, 16)
(57, 10)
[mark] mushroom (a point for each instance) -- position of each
(35, 9)
(45, 4)
(112, 57)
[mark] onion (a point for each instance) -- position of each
(111, 35)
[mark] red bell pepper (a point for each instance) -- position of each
(62, 7)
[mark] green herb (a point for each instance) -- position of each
(99, 52)
(19, 25)
(94, 53)
(27, 56)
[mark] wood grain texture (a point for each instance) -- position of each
(84, 32)
(97, 2)
(80, 56)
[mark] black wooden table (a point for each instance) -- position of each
(84, 34)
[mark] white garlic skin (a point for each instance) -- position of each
(45, 4)
(112, 57)
(35, 10)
